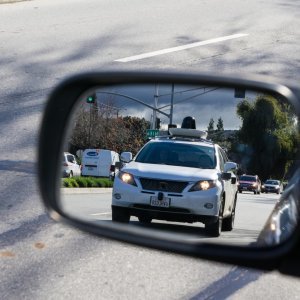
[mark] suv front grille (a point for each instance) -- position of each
(163, 185)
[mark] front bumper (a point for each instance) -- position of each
(184, 207)
(271, 189)
(171, 214)
(246, 188)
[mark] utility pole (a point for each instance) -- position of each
(172, 104)
(155, 107)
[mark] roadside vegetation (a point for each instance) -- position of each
(99, 127)
(86, 182)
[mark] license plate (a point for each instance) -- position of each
(244, 188)
(165, 202)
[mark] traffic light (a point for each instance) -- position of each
(157, 123)
(91, 98)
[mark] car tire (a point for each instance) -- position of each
(240, 191)
(214, 229)
(119, 215)
(145, 219)
(228, 223)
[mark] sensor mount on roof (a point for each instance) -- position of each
(190, 133)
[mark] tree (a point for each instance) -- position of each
(97, 126)
(220, 125)
(270, 132)
(210, 127)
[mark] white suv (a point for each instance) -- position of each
(178, 178)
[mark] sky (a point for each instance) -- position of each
(200, 102)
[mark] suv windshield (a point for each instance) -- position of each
(273, 182)
(178, 154)
(247, 178)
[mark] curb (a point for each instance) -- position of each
(85, 190)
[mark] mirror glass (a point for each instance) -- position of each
(209, 163)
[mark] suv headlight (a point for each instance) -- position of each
(127, 178)
(203, 185)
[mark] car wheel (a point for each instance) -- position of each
(119, 215)
(228, 223)
(240, 191)
(215, 229)
(145, 220)
(254, 192)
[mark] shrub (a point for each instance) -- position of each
(82, 181)
(87, 182)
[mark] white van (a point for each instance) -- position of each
(99, 162)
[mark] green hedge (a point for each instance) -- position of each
(86, 182)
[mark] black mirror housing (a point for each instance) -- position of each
(56, 118)
(226, 176)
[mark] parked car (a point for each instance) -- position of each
(249, 183)
(175, 178)
(70, 167)
(272, 186)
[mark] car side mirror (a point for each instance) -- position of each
(226, 176)
(118, 165)
(153, 200)
(230, 166)
(126, 157)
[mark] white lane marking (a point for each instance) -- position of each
(100, 214)
(183, 47)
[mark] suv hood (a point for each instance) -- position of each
(168, 172)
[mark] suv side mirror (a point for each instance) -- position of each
(226, 176)
(126, 157)
(230, 166)
(118, 165)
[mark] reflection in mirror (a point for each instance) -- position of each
(209, 163)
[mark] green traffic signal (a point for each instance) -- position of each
(91, 99)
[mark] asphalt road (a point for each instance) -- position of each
(251, 215)
(45, 41)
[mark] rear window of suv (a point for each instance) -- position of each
(178, 154)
